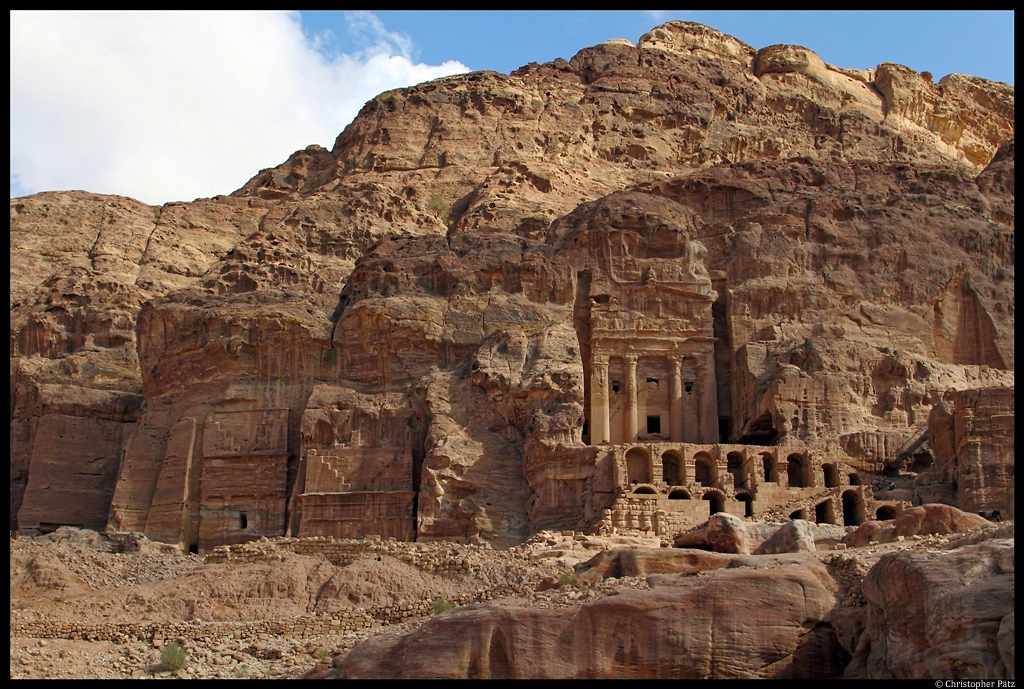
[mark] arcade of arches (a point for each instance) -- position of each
(662, 488)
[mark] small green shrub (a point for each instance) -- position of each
(332, 355)
(321, 653)
(173, 657)
(440, 605)
(437, 206)
(567, 579)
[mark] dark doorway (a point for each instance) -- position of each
(654, 424)
(671, 469)
(831, 476)
(853, 509)
(705, 469)
(724, 429)
(737, 467)
(796, 469)
(823, 512)
(717, 501)
(885, 513)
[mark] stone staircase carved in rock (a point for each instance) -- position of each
(911, 445)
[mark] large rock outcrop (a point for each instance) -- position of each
(418, 333)
(971, 437)
(940, 614)
(738, 623)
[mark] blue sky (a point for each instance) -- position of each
(174, 106)
(979, 43)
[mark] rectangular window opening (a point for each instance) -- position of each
(243, 520)
(654, 424)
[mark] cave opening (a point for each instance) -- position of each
(760, 431)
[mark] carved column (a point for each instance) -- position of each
(631, 420)
(600, 428)
(675, 401)
(708, 399)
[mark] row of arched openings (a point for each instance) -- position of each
(853, 506)
(716, 499)
(799, 470)
(853, 511)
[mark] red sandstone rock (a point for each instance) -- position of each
(972, 440)
(935, 615)
(642, 562)
(754, 624)
(868, 532)
(723, 533)
(935, 519)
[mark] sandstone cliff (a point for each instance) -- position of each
(420, 333)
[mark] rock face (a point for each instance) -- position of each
(972, 440)
(754, 624)
(618, 293)
(946, 614)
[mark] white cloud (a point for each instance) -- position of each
(174, 106)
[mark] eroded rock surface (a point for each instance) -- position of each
(943, 614)
(756, 623)
(620, 294)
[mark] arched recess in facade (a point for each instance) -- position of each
(824, 512)
(770, 468)
(885, 512)
(672, 468)
(798, 471)
(705, 469)
(638, 466)
(853, 508)
(738, 467)
(716, 499)
(748, 503)
(831, 475)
